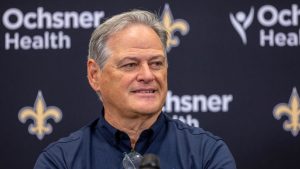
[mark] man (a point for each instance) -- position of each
(127, 67)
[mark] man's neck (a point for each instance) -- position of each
(133, 127)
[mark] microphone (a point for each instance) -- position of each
(150, 161)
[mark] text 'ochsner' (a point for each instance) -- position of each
(190, 104)
(17, 21)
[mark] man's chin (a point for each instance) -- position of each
(147, 110)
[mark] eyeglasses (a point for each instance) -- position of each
(132, 160)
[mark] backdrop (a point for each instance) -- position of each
(233, 70)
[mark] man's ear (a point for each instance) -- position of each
(94, 74)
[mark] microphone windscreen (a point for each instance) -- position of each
(150, 161)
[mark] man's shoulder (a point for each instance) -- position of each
(72, 141)
(61, 153)
(191, 131)
(203, 145)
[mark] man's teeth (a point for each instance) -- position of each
(145, 91)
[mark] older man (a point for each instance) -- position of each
(127, 67)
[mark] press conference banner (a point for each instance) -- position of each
(233, 70)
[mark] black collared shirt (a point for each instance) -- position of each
(101, 146)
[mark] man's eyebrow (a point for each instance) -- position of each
(134, 58)
(157, 57)
(124, 60)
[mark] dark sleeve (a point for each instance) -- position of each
(46, 161)
(220, 157)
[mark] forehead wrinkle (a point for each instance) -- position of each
(136, 58)
(134, 52)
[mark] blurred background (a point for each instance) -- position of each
(233, 70)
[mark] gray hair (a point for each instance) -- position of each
(97, 46)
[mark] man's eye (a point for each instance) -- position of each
(129, 66)
(157, 64)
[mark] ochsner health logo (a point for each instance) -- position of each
(241, 22)
(41, 29)
(271, 19)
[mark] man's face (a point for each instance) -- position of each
(133, 81)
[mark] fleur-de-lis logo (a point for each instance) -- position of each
(292, 111)
(172, 26)
(40, 113)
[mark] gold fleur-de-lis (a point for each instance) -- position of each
(40, 113)
(172, 26)
(292, 111)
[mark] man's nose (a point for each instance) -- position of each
(145, 74)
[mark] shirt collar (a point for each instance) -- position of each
(113, 135)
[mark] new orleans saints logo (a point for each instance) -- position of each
(40, 113)
(292, 111)
(173, 26)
